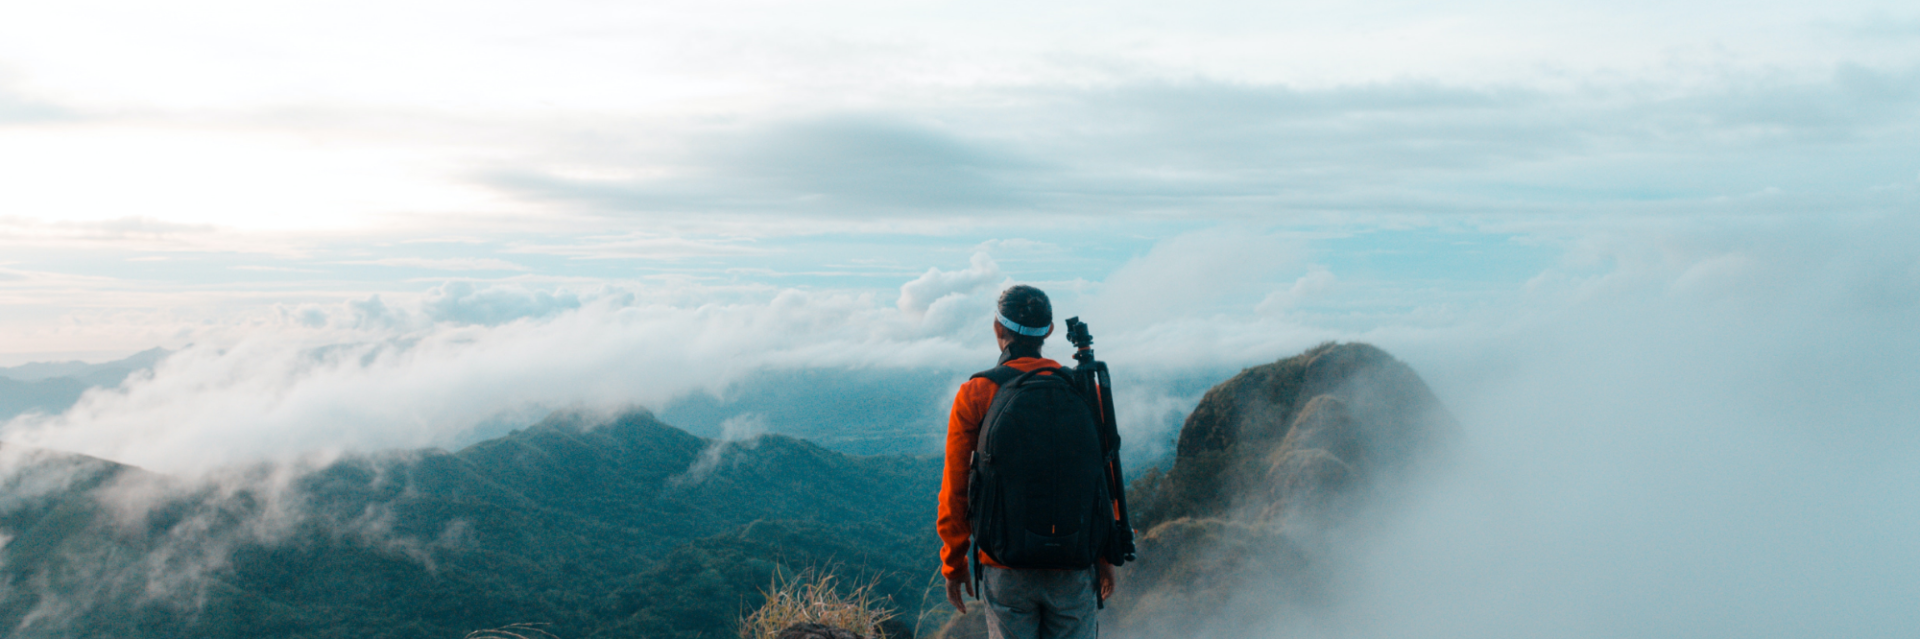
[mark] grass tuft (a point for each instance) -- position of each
(812, 597)
(515, 631)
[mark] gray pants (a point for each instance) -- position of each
(1039, 604)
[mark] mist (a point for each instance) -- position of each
(461, 364)
(1713, 437)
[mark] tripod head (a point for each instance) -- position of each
(1081, 339)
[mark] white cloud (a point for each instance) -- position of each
(1658, 449)
(1194, 275)
(738, 432)
(1317, 282)
(921, 296)
(378, 382)
(1020, 246)
(247, 179)
(447, 264)
(645, 246)
(462, 302)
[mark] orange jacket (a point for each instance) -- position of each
(963, 432)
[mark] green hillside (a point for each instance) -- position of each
(593, 526)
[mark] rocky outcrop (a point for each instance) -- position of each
(1293, 437)
(1268, 468)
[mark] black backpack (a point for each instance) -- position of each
(1038, 493)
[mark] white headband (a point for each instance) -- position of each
(1023, 330)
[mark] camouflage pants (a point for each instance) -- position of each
(1039, 604)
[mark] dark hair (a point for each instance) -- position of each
(1026, 306)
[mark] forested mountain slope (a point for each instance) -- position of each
(601, 527)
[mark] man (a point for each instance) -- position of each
(1021, 604)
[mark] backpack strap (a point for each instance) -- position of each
(999, 375)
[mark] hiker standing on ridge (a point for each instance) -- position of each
(1025, 509)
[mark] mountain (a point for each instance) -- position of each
(50, 396)
(101, 374)
(53, 387)
(1275, 469)
(601, 527)
(860, 411)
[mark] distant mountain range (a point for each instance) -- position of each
(53, 387)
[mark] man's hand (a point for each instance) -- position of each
(1104, 572)
(960, 581)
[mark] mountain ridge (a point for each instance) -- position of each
(525, 527)
(51, 388)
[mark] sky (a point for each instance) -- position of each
(1670, 242)
(181, 174)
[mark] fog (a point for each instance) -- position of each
(1716, 438)
(462, 363)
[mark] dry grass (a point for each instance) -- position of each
(515, 631)
(811, 597)
(933, 603)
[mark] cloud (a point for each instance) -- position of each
(877, 160)
(1665, 445)
(1879, 24)
(17, 107)
(1194, 275)
(374, 373)
(1671, 432)
(919, 295)
(462, 302)
(381, 379)
(740, 432)
(275, 269)
(1020, 246)
(127, 229)
(831, 165)
(1140, 149)
(447, 264)
(644, 245)
(1318, 281)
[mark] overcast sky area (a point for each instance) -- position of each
(1662, 259)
